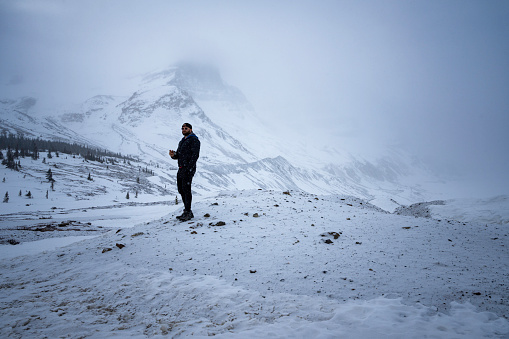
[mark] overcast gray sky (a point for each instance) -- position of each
(432, 75)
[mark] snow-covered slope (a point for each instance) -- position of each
(258, 264)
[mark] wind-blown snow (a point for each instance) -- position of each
(283, 265)
(493, 210)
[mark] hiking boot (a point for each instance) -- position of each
(188, 215)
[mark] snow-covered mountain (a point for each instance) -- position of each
(237, 152)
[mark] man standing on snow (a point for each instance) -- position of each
(187, 154)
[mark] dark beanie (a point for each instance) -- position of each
(188, 125)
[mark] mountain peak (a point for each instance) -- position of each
(199, 76)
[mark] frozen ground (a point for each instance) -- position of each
(261, 264)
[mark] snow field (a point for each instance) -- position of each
(274, 269)
(110, 183)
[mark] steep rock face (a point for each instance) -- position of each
(226, 105)
(142, 105)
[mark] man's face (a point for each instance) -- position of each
(186, 130)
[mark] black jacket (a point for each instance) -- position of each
(188, 152)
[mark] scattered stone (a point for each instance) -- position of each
(219, 223)
(12, 242)
(107, 249)
(252, 271)
(137, 234)
(255, 215)
(406, 227)
(333, 234)
(120, 245)
(206, 215)
(418, 210)
(328, 241)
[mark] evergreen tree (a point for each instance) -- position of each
(20, 193)
(9, 161)
(49, 176)
(29, 195)
(176, 200)
(89, 177)
(35, 152)
(1, 155)
(6, 197)
(49, 155)
(127, 195)
(47, 194)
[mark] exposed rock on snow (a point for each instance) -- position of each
(420, 209)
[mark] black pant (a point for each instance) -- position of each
(184, 180)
